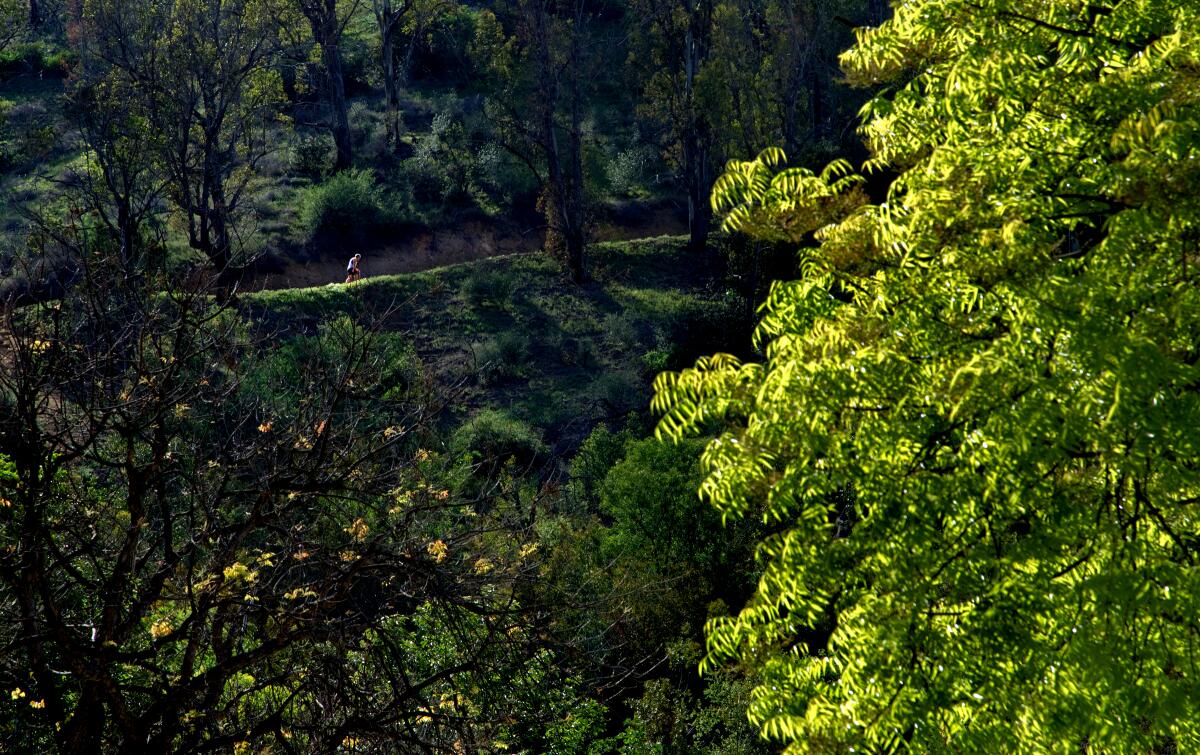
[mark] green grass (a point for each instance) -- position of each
(643, 292)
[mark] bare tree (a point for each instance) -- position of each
(197, 530)
(198, 72)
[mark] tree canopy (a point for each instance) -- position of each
(975, 421)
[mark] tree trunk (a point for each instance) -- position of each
(576, 243)
(35, 14)
(337, 103)
(287, 78)
(814, 82)
(699, 212)
(876, 11)
(694, 154)
(127, 232)
(391, 83)
(814, 93)
(322, 17)
(84, 730)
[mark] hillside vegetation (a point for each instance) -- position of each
(615, 377)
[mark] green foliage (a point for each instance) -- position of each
(495, 437)
(597, 454)
(619, 391)
(312, 156)
(275, 381)
(489, 286)
(576, 352)
(347, 206)
(673, 720)
(40, 55)
(502, 356)
(786, 205)
(483, 692)
(980, 456)
(627, 170)
(620, 332)
(655, 544)
(650, 495)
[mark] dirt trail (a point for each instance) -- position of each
(471, 240)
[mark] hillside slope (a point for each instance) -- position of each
(510, 333)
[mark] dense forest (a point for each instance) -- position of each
(650, 377)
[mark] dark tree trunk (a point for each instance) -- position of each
(84, 730)
(576, 243)
(564, 199)
(337, 103)
(35, 14)
(695, 154)
(699, 212)
(322, 17)
(816, 70)
(876, 11)
(391, 85)
(814, 95)
(287, 78)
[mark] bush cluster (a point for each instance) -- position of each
(348, 206)
(501, 357)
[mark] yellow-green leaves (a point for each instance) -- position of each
(983, 452)
(785, 204)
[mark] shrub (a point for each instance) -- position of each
(620, 332)
(579, 352)
(367, 131)
(36, 56)
(718, 325)
(598, 454)
(347, 206)
(490, 287)
(312, 157)
(627, 171)
(655, 361)
(620, 390)
(493, 437)
(501, 357)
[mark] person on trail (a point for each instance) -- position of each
(352, 271)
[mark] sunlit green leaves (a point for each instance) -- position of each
(983, 450)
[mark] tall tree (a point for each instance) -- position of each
(975, 424)
(198, 72)
(673, 45)
(201, 526)
(327, 19)
(401, 24)
(539, 74)
(727, 78)
(117, 182)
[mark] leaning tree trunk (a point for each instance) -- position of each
(216, 240)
